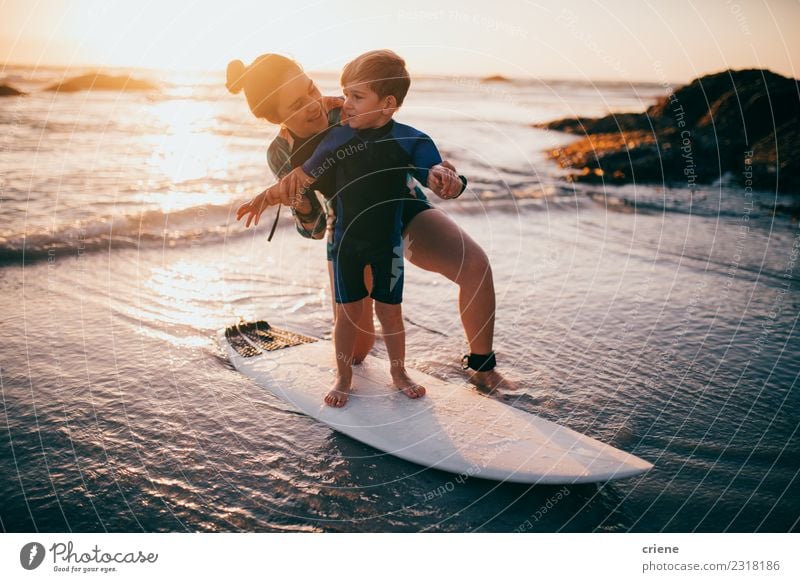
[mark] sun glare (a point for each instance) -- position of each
(167, 35)
(185, 153)
(179, 36)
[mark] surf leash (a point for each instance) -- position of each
(274, 224)
(479, 362)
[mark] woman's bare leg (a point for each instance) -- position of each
(436, 243)
(365, 332)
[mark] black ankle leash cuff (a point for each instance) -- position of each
(478, 362)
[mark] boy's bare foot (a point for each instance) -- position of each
(338, 395)
(491, 381)
(404, 383)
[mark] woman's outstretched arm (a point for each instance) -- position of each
(309, 215)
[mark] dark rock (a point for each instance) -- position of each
(496, 79)
(740, 123)
(9, 91)
(99, 82)
(610, 124)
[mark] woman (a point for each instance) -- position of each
(279, 91)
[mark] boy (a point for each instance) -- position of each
(370, 158)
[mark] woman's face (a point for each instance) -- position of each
(300, 107)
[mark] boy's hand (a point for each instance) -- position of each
(257, 205)
(288, 191)
(443, 181)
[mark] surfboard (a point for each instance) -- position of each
(452, 428)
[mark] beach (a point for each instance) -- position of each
(658, 319)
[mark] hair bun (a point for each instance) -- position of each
(235, 76)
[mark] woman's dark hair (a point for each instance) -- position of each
(261, 82)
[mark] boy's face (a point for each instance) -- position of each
(363, 108)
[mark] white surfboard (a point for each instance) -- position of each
(451, 428)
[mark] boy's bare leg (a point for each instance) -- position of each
(344, 337)
(365, 336)
(365, 332)
(394, 335)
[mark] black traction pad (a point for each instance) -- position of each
(249, 339)
(241, 345)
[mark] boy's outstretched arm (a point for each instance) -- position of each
(252, 209)
(288, 191)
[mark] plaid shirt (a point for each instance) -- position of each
(281, 161)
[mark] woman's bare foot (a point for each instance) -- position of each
(338, 395)
(491, 381)
(403, 382)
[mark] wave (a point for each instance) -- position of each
(206, 224)
(196, 225)
(213, 223)
(651, 201)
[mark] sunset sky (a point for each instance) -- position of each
(616, 39)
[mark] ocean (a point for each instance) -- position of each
(660, 320)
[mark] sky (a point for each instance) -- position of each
(623, 40)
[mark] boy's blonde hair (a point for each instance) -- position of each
(382, 70)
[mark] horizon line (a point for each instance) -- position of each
(99, 68)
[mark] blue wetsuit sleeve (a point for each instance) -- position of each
(324, 159)
(424, 156)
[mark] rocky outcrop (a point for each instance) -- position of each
(737, 125)
(496, 79)
(9, 91)
(100, 82)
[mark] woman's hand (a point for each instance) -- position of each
(444, 181)
(303, 205)
(290, 189)
(285, 191)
